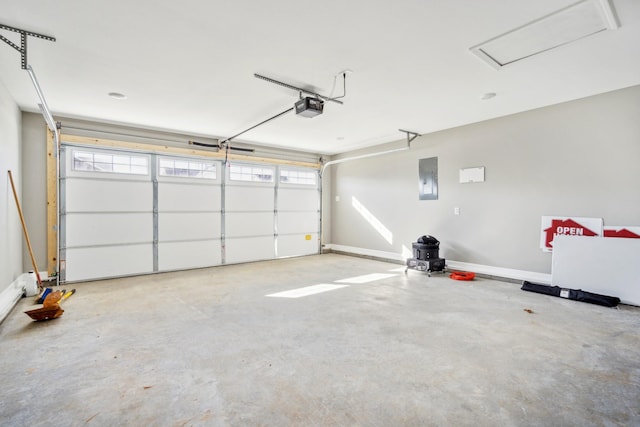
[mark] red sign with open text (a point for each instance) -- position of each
(571, 226)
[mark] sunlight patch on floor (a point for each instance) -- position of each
(366, 278)
(306, 291)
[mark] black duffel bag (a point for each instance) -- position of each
(574, 294)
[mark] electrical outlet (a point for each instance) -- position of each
(456, 211)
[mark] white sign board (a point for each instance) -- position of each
(602, 266)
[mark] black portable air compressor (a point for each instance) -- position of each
(426, 255)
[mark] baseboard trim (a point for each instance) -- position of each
(485, 270)
(10, 296)
(369, 253)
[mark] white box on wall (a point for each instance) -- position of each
(468, 175)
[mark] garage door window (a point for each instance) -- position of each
(250, 173)
(294, 176)
(96, 161)
(186, 168)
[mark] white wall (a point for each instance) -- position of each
(10, 229)
(34, 202)
(579, 158)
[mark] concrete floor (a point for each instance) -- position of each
(208, 348)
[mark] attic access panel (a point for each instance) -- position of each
(559, 28)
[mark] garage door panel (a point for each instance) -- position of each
(249, 249)
(112, 216)
(108, 228)
(188, 226)
(298, 244)
(298, 199)
(189, 198)
(97, 195)
(249, 198)
(297, 222)
(108, 261)
(184, 255)
(249, 224)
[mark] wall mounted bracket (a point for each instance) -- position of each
(410, 136)
(23, 42)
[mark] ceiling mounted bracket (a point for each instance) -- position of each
(23, 42)
(410, 136)
(219, 147)
(44, 108)
(225, 142)
(297, 89)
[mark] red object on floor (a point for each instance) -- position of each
(462, 275)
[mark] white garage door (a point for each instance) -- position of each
(126, 213)
(298, 212)
(189, 213)
(106, 214)
(249, 213)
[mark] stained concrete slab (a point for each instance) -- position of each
(209, 348)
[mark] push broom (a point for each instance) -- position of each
(51, 306)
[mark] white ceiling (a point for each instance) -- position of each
(188, 66)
